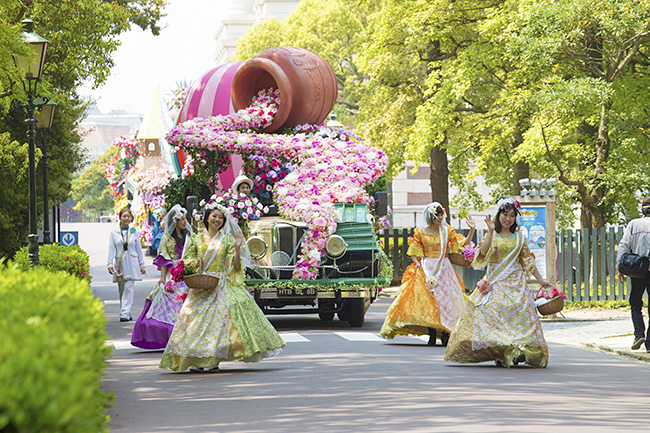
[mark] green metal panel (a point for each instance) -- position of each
(570, 251)
(358, 236)
(593, 294)
(559, 241)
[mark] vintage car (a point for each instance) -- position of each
(348, 278)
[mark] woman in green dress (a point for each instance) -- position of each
(500, 322)
(225, 323)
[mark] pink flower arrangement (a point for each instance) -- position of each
(170, 286)
(469, 252)
(327, 168)
(180, 270)
(548, 295)
(483, 286)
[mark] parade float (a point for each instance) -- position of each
(318, 252)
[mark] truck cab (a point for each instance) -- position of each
(348, 277)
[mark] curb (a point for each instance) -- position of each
(631, 355)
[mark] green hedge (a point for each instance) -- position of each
(70, 260)
(52, 354)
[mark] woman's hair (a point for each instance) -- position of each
(208, 212)
(125, 209)
(503, 209)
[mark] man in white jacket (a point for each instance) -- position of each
(125, 261)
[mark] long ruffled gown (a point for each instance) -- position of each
(156, 322)
(505, 324)
(417, 308)
(224, 324)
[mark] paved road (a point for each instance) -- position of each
(332, 378)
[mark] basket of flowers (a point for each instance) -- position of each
(193, 280)
(464, 258)
(549, 303)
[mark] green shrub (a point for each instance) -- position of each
(71, 260)
(52, 354)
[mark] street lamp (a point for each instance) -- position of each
(32, 68)
(44, 123)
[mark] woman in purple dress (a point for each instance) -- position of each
(155, 324)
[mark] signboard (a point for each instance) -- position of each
(533, 225)
(69, 238)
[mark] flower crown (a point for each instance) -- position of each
(208, 206)
(180, 213)
(503, 201)
(433, 208)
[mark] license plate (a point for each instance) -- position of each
(310, 292)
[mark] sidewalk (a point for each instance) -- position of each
(604, 330)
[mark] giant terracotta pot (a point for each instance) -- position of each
(307, 84)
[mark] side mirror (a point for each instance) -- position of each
(381, 203)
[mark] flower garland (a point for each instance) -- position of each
(265, 172)
(242, 207)
(328, 170)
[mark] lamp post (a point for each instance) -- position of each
(32, 68)
(44, 123)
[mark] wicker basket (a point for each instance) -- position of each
(201, 281)
(458, 259)
(553, 306)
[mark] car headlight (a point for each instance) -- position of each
(257, 247)
(335, 247)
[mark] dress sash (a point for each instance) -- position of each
(431, 266)
(212, 250)
(496, 272)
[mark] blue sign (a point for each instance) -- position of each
(533, 224)
(69, 238)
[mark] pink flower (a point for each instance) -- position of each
(483, 286)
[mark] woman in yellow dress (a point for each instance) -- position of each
(225, 323)
(501, 322)
(431, 297)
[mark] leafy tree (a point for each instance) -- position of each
(83, 36)
(590, 86)
(91, 188)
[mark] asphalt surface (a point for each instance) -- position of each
(322, 381)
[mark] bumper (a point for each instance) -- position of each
(350, 288)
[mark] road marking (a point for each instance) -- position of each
(112, 302)
(120, 344)
(359, 336)
(293, 337)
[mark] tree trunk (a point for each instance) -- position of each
(521, 169)
(440, 177)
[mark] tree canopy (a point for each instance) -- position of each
(83, 36)
(502, 89)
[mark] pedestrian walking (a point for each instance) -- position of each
(636, 240)
(431, 297)
(224, 323)
(500, 322)
(156, 322)
(125, 261)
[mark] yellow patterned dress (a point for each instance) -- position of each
(504, 324)
(224, 324)
(418, 307)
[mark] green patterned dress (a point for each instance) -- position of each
(224, 324)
